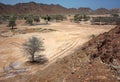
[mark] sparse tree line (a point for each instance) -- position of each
(106, 21)
(56, 18)
(30, 19)
(114, 19)
(81, 17)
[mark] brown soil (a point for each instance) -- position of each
(66, 40)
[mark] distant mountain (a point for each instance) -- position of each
(42, 9)
(115, 10)
(31, 8)
(101, 11)
(85, 10)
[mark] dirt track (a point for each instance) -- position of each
(67, 37)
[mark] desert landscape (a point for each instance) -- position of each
(56, 44)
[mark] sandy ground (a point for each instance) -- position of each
(67, 37)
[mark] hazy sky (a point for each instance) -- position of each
(94, 4)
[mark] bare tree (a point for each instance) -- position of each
(32, 46)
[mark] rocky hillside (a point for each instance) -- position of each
(106, 46)
(101, 11)
(38, 8)
(31, 8)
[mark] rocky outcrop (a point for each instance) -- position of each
(106, 47)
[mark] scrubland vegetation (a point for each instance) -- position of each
(113, 19)
(106, 20)
(47, 39)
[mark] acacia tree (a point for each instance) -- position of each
(32, 46)
(36, 19)
(29, 20)
(47, 18)
(60, 17)
(12, 22)
(77, 18)
(85, 17)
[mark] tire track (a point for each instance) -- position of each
(61, 53)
